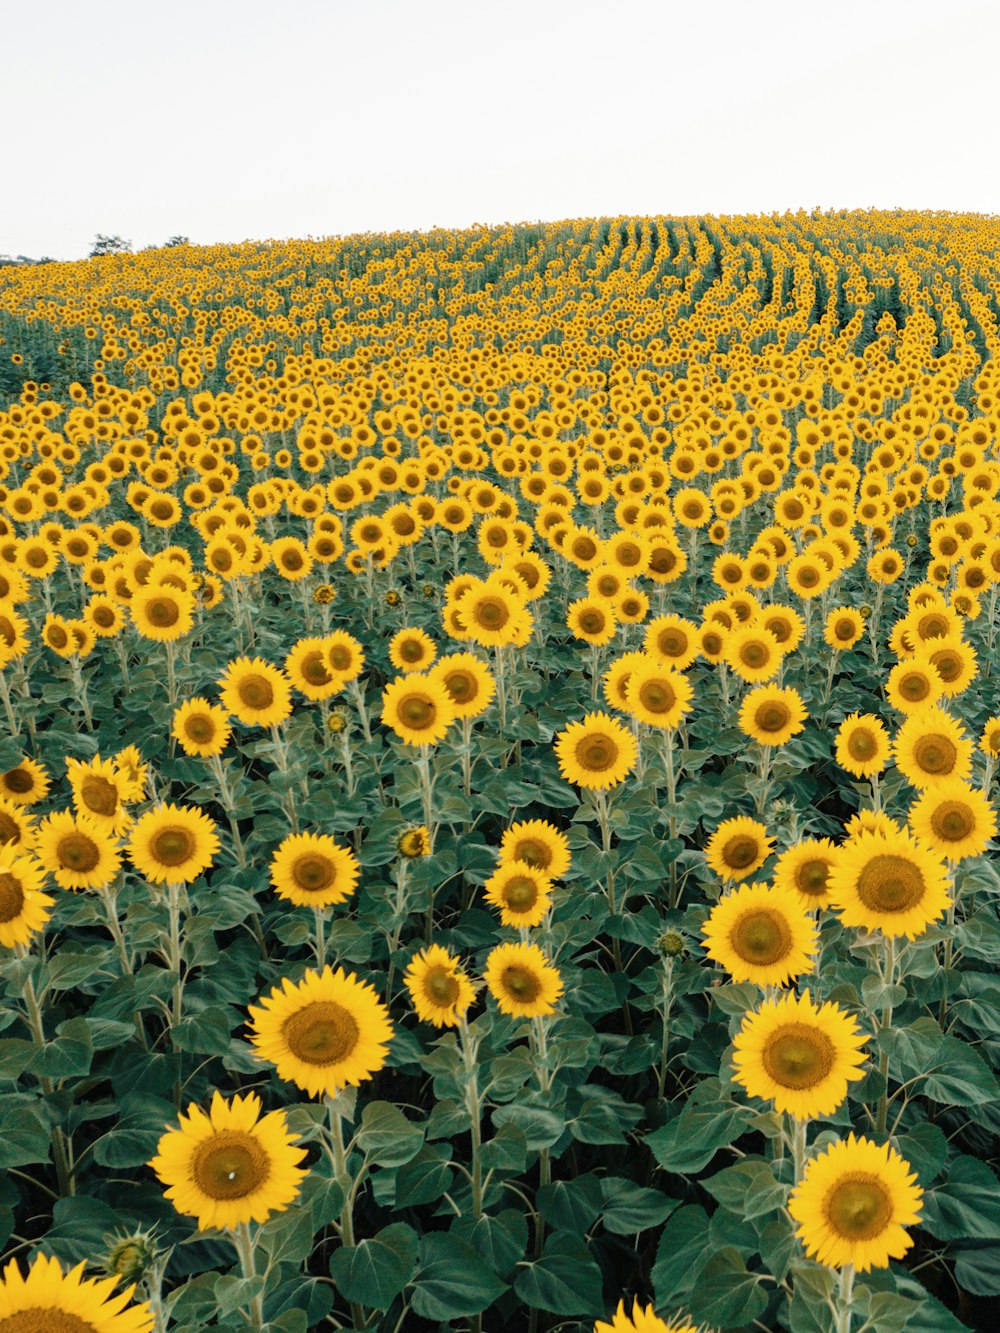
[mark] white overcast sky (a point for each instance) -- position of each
(227, 120)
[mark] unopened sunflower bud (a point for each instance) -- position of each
(671, 944)
(324, 594)
(392, 597)
(336, 723)
(129, 1257)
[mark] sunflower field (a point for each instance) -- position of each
(497, 761)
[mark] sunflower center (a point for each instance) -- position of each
(492, 613)
(75, 851)
(949, 666)
(340, 657)
(417, 712)
(256, 692)
(914, 687)
(10, 830)
(861, 744)
(411, 650)
(811, 877)
(163, 612)
(754, 655)
(521, 984)
(291, 559)
(520, 893)
(952, 821)
(890, 883)
(858, 1207)
(200, 728)
(441, 987)
(596, 754)
(461, 686)
(321, 1033)
(313, 872)
(798, 1056)
(740, 852)
(314, 670)
(534, 854)
(656, 696)
(844, 629)
(36, 1320)
(761, 936)
(672, 643)
(230, 1165)
(773, 716)
(104, 616)
(18, 780)
(935, 754)
(99, 795)
(932, 627)
(11, 897)
(172, 846)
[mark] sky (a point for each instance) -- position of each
(231, 120)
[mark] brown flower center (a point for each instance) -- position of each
(773, 716)
(411, 650)
(798, 1056)
(75, 851)
(10, 829)
(935, 754)
(11, 897)
(521, 984)
(592, 621)
(914, 686)
(890, 883)
(230, 1165)
(491, 613)
(740, 852)
(256, 692)
(441, 987)
(520, 893)
(36, 1320)
(163, 612)
(657, 696)
(417, 712)
(858, 1207)
(340, 657)
(761, 937)
(533, 853)
(811, 877)
(314, 670)
(321, 1033)
(844, 630)
(596, 753)
(949, 665)
(672, 643)
(172, 845)
(99, 795)
(953, 821)
(200, 728)
(754, 654)
(18, 780)
(312, 872)
(861, 745)
(462, 686)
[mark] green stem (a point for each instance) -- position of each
(60, 1157)
(845, 1299)
(320, 937)
(800, 1135)
(244, 1243)
(336, 1122)
(474, 1103)
(884, 1025)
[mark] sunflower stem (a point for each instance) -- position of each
(763, 779)
(80, 688)
(889, 968)
(8, 708)
(245, 1243)
(64, 1173)
(845, 1299)
(799, 1135)
(474, 1103)
(346, 1183)
(354, 689)
(320, 937)
(666, 1005)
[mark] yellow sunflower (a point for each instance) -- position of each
(76, 851)
(862, 745)
(738, 847)
(643, 1319)
(99, 793)
(307, 667)
(411, 650)
(47, 1300)
(843, 628)
(25, 784)
(329, 1031)
(799, 1055)
(886, 880)
(24, 906)
(255, 692)
(522, 980)
(672, 639)
(345, 656)
(658, 695)
(440, 991)
(415, 842)
(468, 680)
(231, 1166)
(805, 869)
(772, 716)
(539, 845)
(201, 728)
(312, 870)
(914, 683)
(492, 613)
(520, 892)
(592, 619)
(762, 934)
(597, 753)
(931, 746)
(172, 844)
(753, 653)
(853, 1204)
(17, 828)
(131, 773)
(615, 680)
(162, 613)
(955, 819)
(418, 709)
(989, 739)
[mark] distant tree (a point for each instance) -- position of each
(176, 240)
(109, 245)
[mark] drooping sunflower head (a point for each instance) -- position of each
(738, 848)
(468, 681)
(886, 880)
(418, 709)
(772, 716)
(522, 980)
(255, 692)
(48, 1300)
(520, 892)
(439, 988)
(25, 784)
(762, 934)
(956, 820)
(862, 745)
(312, 870)
(853, 1204)
(131, 773)
(539, 845)
(201, 728)
(597, 753)
(173, 844)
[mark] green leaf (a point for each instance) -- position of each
(79, 1225)
(204, 1033)
(540, 1128)
(501, 1240)
(601, 1116)
(887, 1311)
(564, 1281)
(452, 1280)
(425, 1178)
(748, 1189)
(386, 1137)
(69, 1055)
(709, 1121)
(630, 1208)
(977, 1269)
(25, 1136)
(966, 1205)
(132, 1141)
(725, 1293)
(926, 1149)
(288, 1237)
(506, 1151)
(682, 1244)
(571, 1205)
(810, 1310)
(375, 1271)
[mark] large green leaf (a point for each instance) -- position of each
(374, 1272)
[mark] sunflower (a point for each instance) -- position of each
(47, 1300)
(521, 892)
(255, 692)
(231, 1166)
(539, 845)
(162, 613)
(172, 844)
(643, 1320)
(886, 880)
(738, 847)
(673, 639)
(311, 870)
(131, 773)
(772, 716)
(24, 906)
(762, 934)
(753, 653)
(798, 1055)
(25, 784)
(931, 746)
(853, 1205)
(989, 739)
(914, 683)
(615, 680)
(658, 695)
(76, 851)
(308, 668)
(17, 831)
(468, 681)
(414, 843)
(411, 650)
(805, 869)
(440, 991)
(99, 793)
(493, 615)
(522, 980)
(418, 709)
(201, 728)
(955, 662)
(329, 1031)
(593, 620)
(843, 628)
(862, 745)
(955, 819)
(597, 753)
